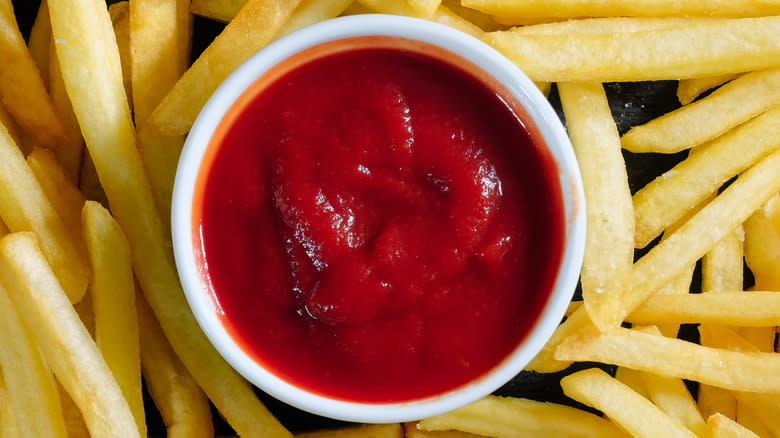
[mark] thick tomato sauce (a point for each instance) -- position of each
(378, 225)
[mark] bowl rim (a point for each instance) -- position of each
(495, 65)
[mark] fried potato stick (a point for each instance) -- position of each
(631, 411)
(609, 252)
(108, 130)
(689, 89)
(708, 118)
(394, 430)
(411, 431)
(38, 42)
(21, 87)
(253, 27)
(62, 339)
(219, 10)
(511, 417)
(113, 301)
(721, 426)
(71, 154)
(696, 51)
(741, 309)
(64, 196)
(30, 387)
(24, 207)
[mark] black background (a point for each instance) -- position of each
(631, 104)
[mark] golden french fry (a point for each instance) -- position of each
(742, 309)
(707, 118)
(689, 89)
(749, 420)
(609, 252)
(697, 51)
(10, 125)
(766, 407)
(220, 10)
(21, 88)
(31, 391)
(120, 19)
(633, 379)
(74, 421)
(631, 411)
(507, 416)
(411, 431)
(722, 267)
(105, 121)
(394, 430)
(481, 20)
(71, 154)
(182, 404)
(8, 427)
(113, 301)
(253, 27)
(721, 426)
(611, 25)
(641, 8)
(65, 197)
(712, 400)
(38, 43)
(676, 358)
(442, 15)
(62, 339)
(425, 8)
(672, 396)
(545, 362)
(310, 12)
(670, 196)
(762, 249)
(24, 207)
(159, 58)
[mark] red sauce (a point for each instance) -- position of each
(378, 225)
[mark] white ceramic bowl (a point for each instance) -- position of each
(539, 115)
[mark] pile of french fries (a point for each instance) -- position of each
(89, 295)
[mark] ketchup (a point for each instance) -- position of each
(378, 225)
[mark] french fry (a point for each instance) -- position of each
(631, 411)
(442, 15)
(38, 43)
(507, 416)
(10, 125)
(707, 118)
(689, 89)
(762, 249)
(120, 19)
(108, 130)
(31, 391)
(113, 301)
(696, 51)
(253, 27)
(182, 404)
(65, 197)
(670, 196)
(741, 309)
(159, 58)
(545, 361)
(599, 26)
(676, 358)
(672, 396)
(411, 431)
(8, 427)
(24, 207)
(74, 421)
(721, 426)
(394, 430)
(71, 154)
(61, 338)
(633, 379)
(425, 8)
(617, 8)
(219, 10)
(310, 12)
(21, 88)
(483, 21)
(609, 252)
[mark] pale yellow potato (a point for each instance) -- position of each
(394, 430)
(597, 26)
(513, 417)
(8, 427)
(30, 388)
(609, 252)
(219, 10)
(689, 89)
(113, 301)
(722, 267)
(633, 379)
(62, 339)
(676, 358)
(636, 8)
(425, 8)
(120, 19)
(671, 396)
(24, 207)
(63, 195)
(762, 249)
(634, 413)
(442, 15)
(108, 130)
(689, 52)
(311, 12)
(182, 404)
(38, 42)
(412, 431)
(766, 407)
(21, 88)
(158, 59)
(71, 154)
(74, 421)
(708, 118)
(741, 309)
(670, 196)
(721, 426)
(248, 32)
(481, 20)
(712, 400)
